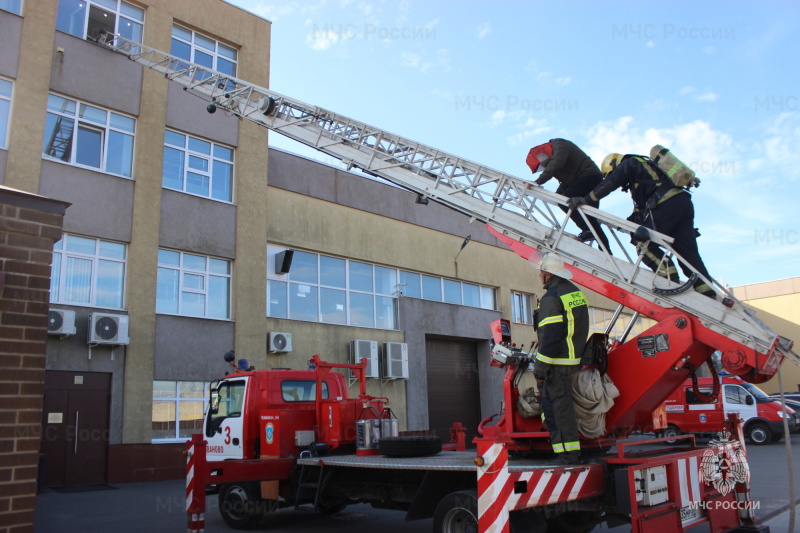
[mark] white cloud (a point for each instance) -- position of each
(650, 44)
(686, 90)
(484, 30)
(706, 97)
(322, 39)
(440, 61)
(708, 50)
(563, 81)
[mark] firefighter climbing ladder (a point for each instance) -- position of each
(510, 205)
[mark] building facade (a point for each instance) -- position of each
(187, 237)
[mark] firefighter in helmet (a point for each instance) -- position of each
(562, 324)
(658, 204)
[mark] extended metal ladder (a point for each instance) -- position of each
(530, 215)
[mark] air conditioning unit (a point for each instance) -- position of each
(61, 322)
(394, 364)
(365, 349)
(105, 328)
(279, 342)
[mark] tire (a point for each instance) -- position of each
(240, 505)
(457, 513)
(759, 433)
(671, 434)
(410, 446)
(776, 437)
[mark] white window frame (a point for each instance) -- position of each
(79, 122)
(183, 271)
(194, 48)
(60, 278)
(210, 158)
(177, 399)
(4, 128)
(522, 308)
(123, 13)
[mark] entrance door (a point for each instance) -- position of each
(453, 391)
(75, 427)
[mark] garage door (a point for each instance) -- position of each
(453, 392)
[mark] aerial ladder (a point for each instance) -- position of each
(689, 327)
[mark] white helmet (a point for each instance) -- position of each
(555, 265)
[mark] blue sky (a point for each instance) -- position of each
(717, 82)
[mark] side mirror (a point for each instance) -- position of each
(214, 403)
(749, 400)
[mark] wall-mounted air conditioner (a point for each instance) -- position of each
(61, 322)
(394, 363)
(278, 342)
(105, 328)
(365, 349)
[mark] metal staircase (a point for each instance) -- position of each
(514, 209)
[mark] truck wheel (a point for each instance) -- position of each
(671, 434)
(240, 505)
(410, 446)
(759, 433)
(457, 513)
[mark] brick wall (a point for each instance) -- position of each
(29, 226)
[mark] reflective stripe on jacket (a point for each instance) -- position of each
(563, 323)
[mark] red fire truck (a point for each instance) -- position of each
(276, 438)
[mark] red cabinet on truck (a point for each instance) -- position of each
(761, 415)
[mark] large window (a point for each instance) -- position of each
(178, 408)
(197, 166)
(88, 272)
(193, 285)
(332, 290)
(206, 52)
(522, 309)
(14, 6)
(88, 136)
(88, 19)
(5, 110)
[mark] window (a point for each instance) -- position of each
(88, 272)
(691, 397)
(522, 308)
(297, 390)
(14, 6)
(193, 285)
(204, 51)
(5, 110)
(328, 289)
(178, 408)
(88, 136)
(735, 394)
(86, 18)
(197, 166)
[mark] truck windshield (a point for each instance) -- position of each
(760, 396)
(227, 403)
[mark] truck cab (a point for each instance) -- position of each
(762, 416)
(254, 414)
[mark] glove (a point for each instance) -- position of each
(540, 370)
(532, 184)
(574, 203)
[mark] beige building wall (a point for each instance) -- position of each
(778, 304)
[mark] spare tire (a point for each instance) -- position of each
(417, 446)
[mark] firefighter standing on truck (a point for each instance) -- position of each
(562, 327)
(658, 204)
(576, 174)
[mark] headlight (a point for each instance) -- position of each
(781, 414)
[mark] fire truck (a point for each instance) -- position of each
(277, 438)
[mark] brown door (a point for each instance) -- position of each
(75, 427)
(453, 391)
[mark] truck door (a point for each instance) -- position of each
(224, 423)
(737, 400)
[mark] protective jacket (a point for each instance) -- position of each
(646, 182)
(567, 164)
(563, 323)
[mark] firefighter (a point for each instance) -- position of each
(659, 205)
(562, 326)
(577, 175)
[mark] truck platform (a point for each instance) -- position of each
(445, 460)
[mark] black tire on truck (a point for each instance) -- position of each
(671, 433)
(759, 433)
(241, 506)
(420, 446)
(457, 513)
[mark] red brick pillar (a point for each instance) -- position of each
(29, 226)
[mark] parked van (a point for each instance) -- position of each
(762, 416)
